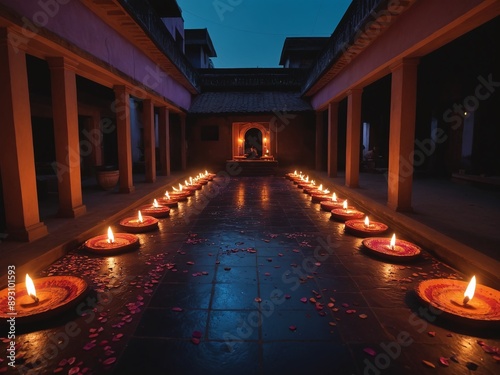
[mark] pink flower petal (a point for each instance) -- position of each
(109, 361)
(74, 370)
(370, 351)
(303, 299)
(177, 309)
(292, 328)
(197, 334)
(444, 361)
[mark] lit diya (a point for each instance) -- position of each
(346, 213)
(42, 298)
(292, 175)
(471, 303)
(365, 228)
(156, 209)
(210, 176)
(179, 194)
(193, 182)
(392, 249)
(315, 190)
(319, 195)
(168, 201)
(112, 243)
(139, 224)
(330, 204)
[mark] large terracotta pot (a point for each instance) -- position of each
(107, 177)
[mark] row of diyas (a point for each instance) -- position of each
(458, 299)
(46, 297)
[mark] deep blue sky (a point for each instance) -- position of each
(250, 33)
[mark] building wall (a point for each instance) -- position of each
(77, 24)
(296, 139)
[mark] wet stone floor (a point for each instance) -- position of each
(249, 277)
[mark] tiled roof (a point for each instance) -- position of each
(243, 102)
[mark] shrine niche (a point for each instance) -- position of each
(253, 134)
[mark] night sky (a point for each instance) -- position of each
(251, 33)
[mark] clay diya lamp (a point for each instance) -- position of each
(392, 249)
(112, 243)
(168, 201)
(198, 185)
(190, 188)
(201, 179)
(42, 298)
(303, 182)
(319, 195)
(179, 194)
(471, 303)
(139, 224)
(330, 204)
(156, 210)
(292, 175)
(346, 213)
(365, 228)
(210, 176)
(314, 189)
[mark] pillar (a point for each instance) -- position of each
(183, 142)
(148, 121)
(319, 141)
(402, 134)
(17, 159)
(164, 140)
(66, 136)
(353, 137)
(124, 136)
(333, 146)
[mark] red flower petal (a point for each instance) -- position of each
(292, 328)
(109, 361)
(370, 351)
(444, 361)
(177, 309)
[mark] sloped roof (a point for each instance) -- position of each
(248, 102)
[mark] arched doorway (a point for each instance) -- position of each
(253, 138)
(257, 134)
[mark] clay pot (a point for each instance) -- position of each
(107, 177)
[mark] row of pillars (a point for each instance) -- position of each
(17, 161)
(401, 136)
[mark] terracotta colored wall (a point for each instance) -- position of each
(296, 140)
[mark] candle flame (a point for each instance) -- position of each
(469, 292)
(155, 204)
(191, 180)
(111, 238)
(139, 217)
(344, 205)
(30, 287)
(334, 197)
(393, 241)
(320, 187)
(206, 173)
(167, 195)
(326, 191)
(295, 172)
(367, 222)
(180, 187)
(174, 189)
